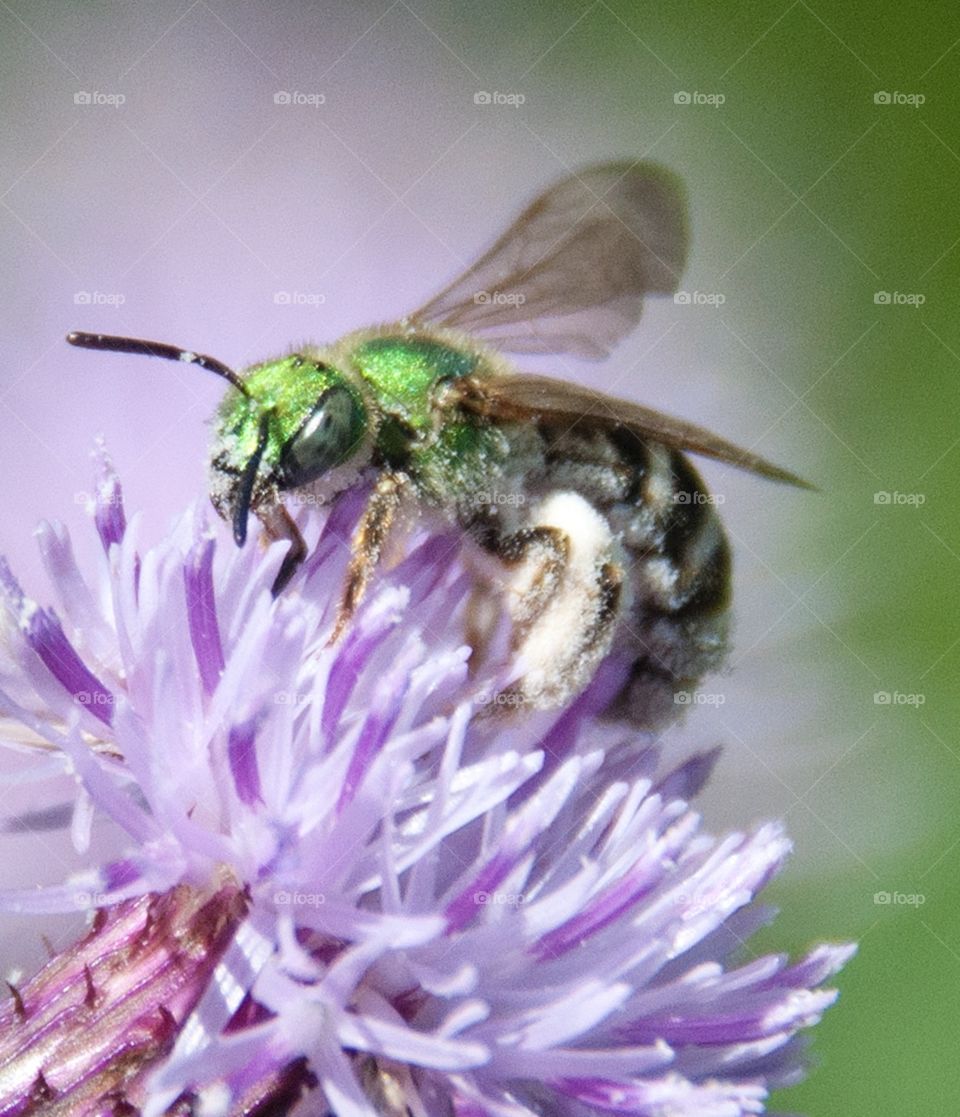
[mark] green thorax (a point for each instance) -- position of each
(406, 372)
(447, 454)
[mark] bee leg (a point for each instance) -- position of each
(481, 623)
(367, 545)
(565, 593)
(278, 524)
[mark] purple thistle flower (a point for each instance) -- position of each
(348, 887)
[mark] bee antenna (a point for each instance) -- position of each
(156, 349)
(241, 509)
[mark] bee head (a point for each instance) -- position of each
(295, 420)
(286, 423)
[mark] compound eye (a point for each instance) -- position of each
(324, 440)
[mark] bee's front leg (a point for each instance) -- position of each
(564, 588)
(367, 545)
(279, 524)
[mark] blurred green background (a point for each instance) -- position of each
(877, 212)
(881, 183)
(821, 148)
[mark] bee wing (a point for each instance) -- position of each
(570, 274)
(526, 397)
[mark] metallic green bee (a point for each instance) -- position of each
(581, 512)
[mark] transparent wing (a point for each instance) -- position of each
(570, 274)
(526, 397)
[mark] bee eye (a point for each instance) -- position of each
(326, 438)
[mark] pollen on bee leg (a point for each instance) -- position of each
(564, 613)
(369, 538)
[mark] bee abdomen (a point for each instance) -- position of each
(679, 571)
(684, 532)
(661, 594)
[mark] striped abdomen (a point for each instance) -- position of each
(675, 552)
